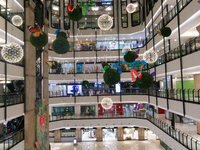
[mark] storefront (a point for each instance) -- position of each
(88, 110)
(109, 134)
(89, 134)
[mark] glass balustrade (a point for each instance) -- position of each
(12, 99)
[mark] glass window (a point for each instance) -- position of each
(124, 14)
(66, 18)
(135, 17)
(94, 11)
(55, 14)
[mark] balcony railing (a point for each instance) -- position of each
(11, 99)
(12, 140)
(186, 140)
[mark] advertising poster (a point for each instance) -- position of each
(41, 124)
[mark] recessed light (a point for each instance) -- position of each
(175, 39)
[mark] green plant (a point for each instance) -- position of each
(130, 57)
(146, 81)
(61, 34)
(85, 83)
(104, 64)
(111, 77)
(76, 14)
(40, 41)
(166, 31)
(61, 45)
(55, 65)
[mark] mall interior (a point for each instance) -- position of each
(53, 91)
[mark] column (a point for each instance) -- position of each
(78, 134)
(57, 136)
(120, 132)
(196, 87)
(45, 80)
(30, 79)
(99, 135)
(141, 134)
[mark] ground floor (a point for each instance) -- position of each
(110, 145)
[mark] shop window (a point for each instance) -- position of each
(66, 18)
(55, 14)
(68, 133)
(124, 14)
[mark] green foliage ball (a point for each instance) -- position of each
(55, 66)
(85, 83)
(104, 64)
(60, 45)
(76, 15)
(111, 77)
(40, 41)
(166, 31)
(146, 81)
(61, 34)
(130, 57)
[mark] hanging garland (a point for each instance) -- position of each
(165, 31)
(130, 57)
(111, 76)
(74, 14)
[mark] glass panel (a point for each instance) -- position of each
(55, 14)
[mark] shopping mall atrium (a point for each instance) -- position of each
(100, 74)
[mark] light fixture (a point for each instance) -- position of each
(17, 20)
(107, 103)
(150, 56)
(130, 8)
(105, 22)
(12, 53)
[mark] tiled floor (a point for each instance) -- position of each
(112, 145)
(188, 128)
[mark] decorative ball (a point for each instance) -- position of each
(17, 20)
(166, 31)
(107, 103)
(85, 83)
(130, 8)
(130, 57)
(105, 22)
(150, 56)
(111, 77)
(104, 64)
(55, 65)
(76, 15)
(40, 41)
(125, 50)
(61, 34)
(146, 81)
(12, 53)
(60, 45)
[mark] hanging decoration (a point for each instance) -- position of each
(130, 56)
(85, 83)
(51, 64)
(143, 80)
(111, 76)
(125, 50)
(86, 6)
(119, 68)
(12, 53)
(74, 14)
(38, 38)
(57, 31)
(105, 22)
(150, 56)
(107, 103)
(130, 8)
(61, 44)
(17, 20)
(165, 31)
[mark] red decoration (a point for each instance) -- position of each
(135, 74)
(69, 8)
(42, 122)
